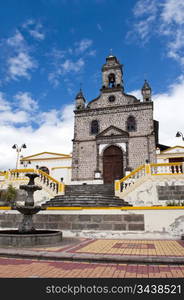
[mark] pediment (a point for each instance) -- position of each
(174, 150)
(46, 155)
(113, 131)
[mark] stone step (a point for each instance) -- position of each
(105, 189)
(91, 195)
(86, 202)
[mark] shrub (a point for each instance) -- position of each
(9, 195)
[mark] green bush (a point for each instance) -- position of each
(9, 195)
(175, 203)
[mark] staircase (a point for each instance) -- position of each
(50, 186)
(87, 195)
(148, 184)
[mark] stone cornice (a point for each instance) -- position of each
(113, 109)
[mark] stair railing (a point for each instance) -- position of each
(48, 183)
(148, 170)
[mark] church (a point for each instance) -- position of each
(115, 132)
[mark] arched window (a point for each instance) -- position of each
(94, 127)
(44, 169)
(131, 124)
(112, 80)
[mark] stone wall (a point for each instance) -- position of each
(78, 222)
(141, 143)
(173, 192)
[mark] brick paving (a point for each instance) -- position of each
(29, 268)
(95, 258)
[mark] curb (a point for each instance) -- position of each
(90, 258)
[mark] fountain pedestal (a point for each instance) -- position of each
(27, 235)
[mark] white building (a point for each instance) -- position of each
(57, 165)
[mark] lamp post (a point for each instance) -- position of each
(25, 163)
(178, 134)
(18, 149)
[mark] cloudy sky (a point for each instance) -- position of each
(49, 48)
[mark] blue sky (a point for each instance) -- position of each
(48, 48)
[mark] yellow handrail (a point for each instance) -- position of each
(132, 173)
(148, 171)
(40, 172)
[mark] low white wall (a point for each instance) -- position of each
(159, 223)
(144, 193)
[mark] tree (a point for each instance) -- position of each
(9, 195)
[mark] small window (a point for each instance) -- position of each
(94, 127)
(111, 98)
(131, 124)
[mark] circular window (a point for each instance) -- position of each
(111, 98)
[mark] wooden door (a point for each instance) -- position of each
(112, 164)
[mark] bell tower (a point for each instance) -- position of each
(112, 75)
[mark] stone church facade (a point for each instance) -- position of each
(113, 133)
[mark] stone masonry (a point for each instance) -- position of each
(78, 222)
(111, 110)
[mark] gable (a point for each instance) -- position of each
(173, 150)
(113, 131)
(46, 155)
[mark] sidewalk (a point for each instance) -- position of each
(105, 250)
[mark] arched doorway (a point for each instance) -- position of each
(112, 164)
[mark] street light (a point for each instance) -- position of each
(18, 149)
(178, 134)
(25, 163)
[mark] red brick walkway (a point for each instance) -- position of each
(126, 258)
(26, 268)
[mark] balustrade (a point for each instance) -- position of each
(47, 182)
(148, 169)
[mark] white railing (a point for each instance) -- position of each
(147, 170)
(48, 183)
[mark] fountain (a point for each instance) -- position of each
(27, 235)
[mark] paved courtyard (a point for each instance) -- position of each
(92, 258)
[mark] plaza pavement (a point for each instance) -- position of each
(95, 258)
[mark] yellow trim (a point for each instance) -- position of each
(22, 170)
(108, 208)
(52, 153)
(166, 164)
(175, 155)
(117, 185)
(120, 208)
(173, 174)
(132, 173)
(50, 158)
(171, 148)
(5, 208)
(54, 168)
(147, 169)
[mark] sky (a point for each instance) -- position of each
(51, 48)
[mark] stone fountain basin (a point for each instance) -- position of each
(15, 238)
(28, 210)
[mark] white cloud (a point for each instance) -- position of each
(71, 66)
(35, 29)
(62, 69)
(99, 27)
(173, 11)
(20, 65)
(16, 117)
(17, 40)
(4, 105)
(26, 102)
(83, 45)
(164, 19)
(168, 110)
(54, 134)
